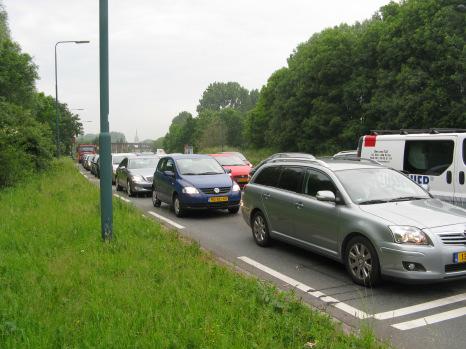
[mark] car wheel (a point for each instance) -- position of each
(233, 210)
(177, 207)
(117, 185)
(128, 188)
(260, 230)
(362, 262)
(155, 200)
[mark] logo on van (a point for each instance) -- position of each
(419, 179)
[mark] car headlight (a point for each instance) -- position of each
(235, 187)
(138, 179)
(190, 190)
(409, 235)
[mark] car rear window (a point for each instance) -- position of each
(291, 179)
(268, 176)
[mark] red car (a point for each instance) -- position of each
(239, 170)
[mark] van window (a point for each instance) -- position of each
(291, 179)
(464, 151)
(268, 176)
(430, 157)
(317, 181)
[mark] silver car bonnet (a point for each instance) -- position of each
(418, 213)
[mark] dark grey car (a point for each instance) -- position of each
(373, 219)
(135, 174)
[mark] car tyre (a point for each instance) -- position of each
(362, 262)
(155, 200)
(260, 230)
(129, 191)
(177, 207)
(233, 210)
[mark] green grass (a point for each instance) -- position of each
(60, 286)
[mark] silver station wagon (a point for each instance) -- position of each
(372, 218)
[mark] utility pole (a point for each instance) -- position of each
(106, 210)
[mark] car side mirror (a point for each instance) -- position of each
(228, 170)
(325, 195)
(169, 173)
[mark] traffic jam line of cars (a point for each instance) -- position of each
(374, 214)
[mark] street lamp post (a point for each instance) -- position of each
(56, 88)
(106, 209)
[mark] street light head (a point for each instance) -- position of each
(82, 42)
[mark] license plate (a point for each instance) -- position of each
(242, 180)
(218, 199)
(459, 257)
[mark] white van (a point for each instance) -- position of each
(434, 157)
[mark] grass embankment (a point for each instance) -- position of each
(60, 286)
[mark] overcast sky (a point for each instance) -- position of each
(164, 53)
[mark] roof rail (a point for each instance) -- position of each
(352, 158)
(406, 131)
(317, 161)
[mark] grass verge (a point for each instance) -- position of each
(62, 287)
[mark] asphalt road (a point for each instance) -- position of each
(409, 316)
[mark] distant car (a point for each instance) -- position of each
(94, 164)
(346, 154)
(134, 174)
(373, 219)
(239, 171)
(241, 156)
(282, 157)
(191, 181)
(85, 161)
(116, 159)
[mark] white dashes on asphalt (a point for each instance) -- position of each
(165, 219)
(309, 290)
(432, 319)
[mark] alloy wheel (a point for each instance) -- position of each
(360, 261)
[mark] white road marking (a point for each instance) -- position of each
(429, 320)
(311, 291)
(121, 198)
(165, 219)
(420, 307)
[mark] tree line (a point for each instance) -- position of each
(27, 117)
(403, 68)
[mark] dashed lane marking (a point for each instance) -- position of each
(165, 219)
(305, 288)
(420, 307)
(121, 198)
(432, 319)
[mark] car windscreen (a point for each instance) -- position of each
(199, 166)
(229, 160)
(378, 185)
(116, 159)
(143, 163)
(87, 148)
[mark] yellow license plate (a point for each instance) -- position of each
(242, 180)
(459, 257)
(218, 199)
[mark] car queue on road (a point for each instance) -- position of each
(373, 219)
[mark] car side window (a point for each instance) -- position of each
(317, 181)
(161, 165)
(291, 179)
(268, 176)
(169, 165)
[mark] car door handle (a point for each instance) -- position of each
(266, 196)
(461, 177)
(449, 177)
(299, 205)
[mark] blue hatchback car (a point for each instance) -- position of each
(193, 181)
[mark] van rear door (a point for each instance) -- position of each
(431, 160)
(460, 185)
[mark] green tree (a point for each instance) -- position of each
(220, 95)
